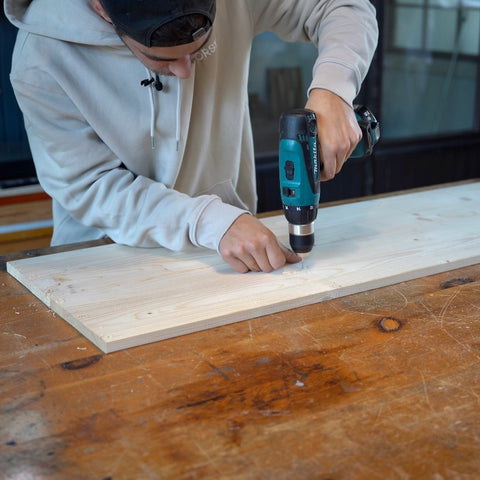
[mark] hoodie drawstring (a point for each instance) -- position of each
(159, 86)
(177, 125)
(152, 108)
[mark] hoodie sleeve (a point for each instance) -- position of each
(344, 31)
(88, 180)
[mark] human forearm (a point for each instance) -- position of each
(346, 40)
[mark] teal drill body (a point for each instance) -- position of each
(300, 165)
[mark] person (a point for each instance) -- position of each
(137, 113)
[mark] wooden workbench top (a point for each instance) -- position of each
(379, 385)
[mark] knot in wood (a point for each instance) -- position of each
(389, 324)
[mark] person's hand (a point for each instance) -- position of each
(249, 245)
(338, 130)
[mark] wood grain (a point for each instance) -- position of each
(320, 392)
(120, 297)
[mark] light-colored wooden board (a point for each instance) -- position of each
(119, 296)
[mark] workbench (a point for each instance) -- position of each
(383, 384)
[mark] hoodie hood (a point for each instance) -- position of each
(69, 20)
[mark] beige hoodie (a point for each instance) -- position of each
(90, 123)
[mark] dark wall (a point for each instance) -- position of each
(431, 162)
(16, 166)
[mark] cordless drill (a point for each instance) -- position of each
(300, 166)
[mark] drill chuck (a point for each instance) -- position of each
(301, 237)
(301, 226)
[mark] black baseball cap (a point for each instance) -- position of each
(140, 18)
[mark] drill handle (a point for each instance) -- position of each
(370, 131)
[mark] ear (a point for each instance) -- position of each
(97, 6)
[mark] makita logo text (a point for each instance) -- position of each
(315, 157)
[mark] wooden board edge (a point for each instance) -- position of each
(56, 307)
(211, 323)
(17, 274)
(107, 346)
(77, 324)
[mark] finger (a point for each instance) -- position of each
(252, 264)
(278, 255)
(236, 264)
(290, 255)
(355, 139)
(333, 164)
(262, 262)
(246, 262)
(332, 160)
(329, 167)
(341, 160)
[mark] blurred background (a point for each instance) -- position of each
(423, 87)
